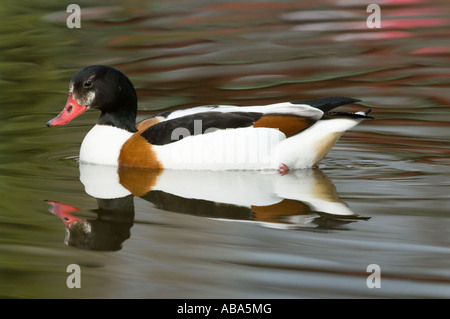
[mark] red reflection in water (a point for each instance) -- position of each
(414, 23)
(64, 212)
(398, 2)
(432, 50)
(412, 12)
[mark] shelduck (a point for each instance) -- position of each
(289, 135)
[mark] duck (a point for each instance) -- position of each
(279, 136)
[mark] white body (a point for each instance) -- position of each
(242, 148)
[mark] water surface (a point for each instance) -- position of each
(379, 197)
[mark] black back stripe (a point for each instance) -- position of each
(173, 130)
(328, 103)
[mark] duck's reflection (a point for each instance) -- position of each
(299, 199)
(107, 232)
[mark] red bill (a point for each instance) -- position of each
(70, 111)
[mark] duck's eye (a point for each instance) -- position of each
(88, 84)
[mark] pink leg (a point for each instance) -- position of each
(283, 169)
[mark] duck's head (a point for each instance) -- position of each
(103, 88)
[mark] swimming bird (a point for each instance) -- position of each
(283, 136)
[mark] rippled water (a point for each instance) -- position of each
(379, 197)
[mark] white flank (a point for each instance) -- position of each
(254, 148)
(102, 145)
(239, 149)
(305, 150)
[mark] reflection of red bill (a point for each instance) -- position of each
(70, 111)
(64, 211)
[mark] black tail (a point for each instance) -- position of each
(328, 103)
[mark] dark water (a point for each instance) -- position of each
(380, 197)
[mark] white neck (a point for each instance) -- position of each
(102, 145)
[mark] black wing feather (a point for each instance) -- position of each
(328, 103)
(172, 130)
